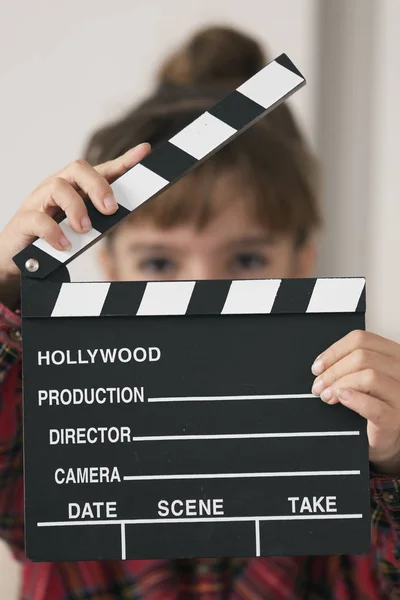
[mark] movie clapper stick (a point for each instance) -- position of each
(175, 419)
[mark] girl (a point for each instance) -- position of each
(249, 212)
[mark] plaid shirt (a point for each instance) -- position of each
(374, 576)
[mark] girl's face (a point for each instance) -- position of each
(232, 246)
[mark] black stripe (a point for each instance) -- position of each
(293, 296)
(208, 297)
(47, 263)
(237, 110)
(105, 222)
(60, 275)
(285, 61)
(361, 306)
(123, 298)
(169, 161)
(39, 299)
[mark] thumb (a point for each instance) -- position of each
(113, 169)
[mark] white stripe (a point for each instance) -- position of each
(136, 186)
(257, 527)
(270, 84)
(251, 296)
(240, 475)
(166, 298)
(203, 135)
(218, 398)
(123, 542)
(317, 517)
(336, 295)
(244, 436)
(78, 241)
(80, 299)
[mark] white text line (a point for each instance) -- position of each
(123, 542)
(257, 526)
(198, 520)
(240, 436)
(217, 398)
(240, 475)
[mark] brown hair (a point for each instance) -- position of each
(269, 165)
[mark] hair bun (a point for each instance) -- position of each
(213, 56)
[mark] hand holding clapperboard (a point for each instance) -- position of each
(181, 412)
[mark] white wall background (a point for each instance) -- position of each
(383, 262)
(65, 70)
(67, 67)
(358, 129)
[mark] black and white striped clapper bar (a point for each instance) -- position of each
(175, 419)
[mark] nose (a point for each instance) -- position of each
(201, 269)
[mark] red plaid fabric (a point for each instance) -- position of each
(374, 576)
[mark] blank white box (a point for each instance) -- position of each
(166, 298)
(203, 135)
(336, 295)
(270, 84)
(136, 186)
(80, 299)
(251, 297)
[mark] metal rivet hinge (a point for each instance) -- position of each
(32, 265)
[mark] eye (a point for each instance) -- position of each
(249, 261)
(157, 264)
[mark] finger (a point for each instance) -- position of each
(356, 339)
(58, 193)
(84, 177)
(374, 410)
(32, 224)
(370, 382)
(113, 169)
(357, 360)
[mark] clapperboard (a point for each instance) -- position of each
(175, 419)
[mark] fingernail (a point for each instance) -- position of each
(110, 203)
(132, 153)
(86, 224)
(318, 367)
(326, 395)
(318, 387)
(64, 242)
(144, 145)
(344, 394)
